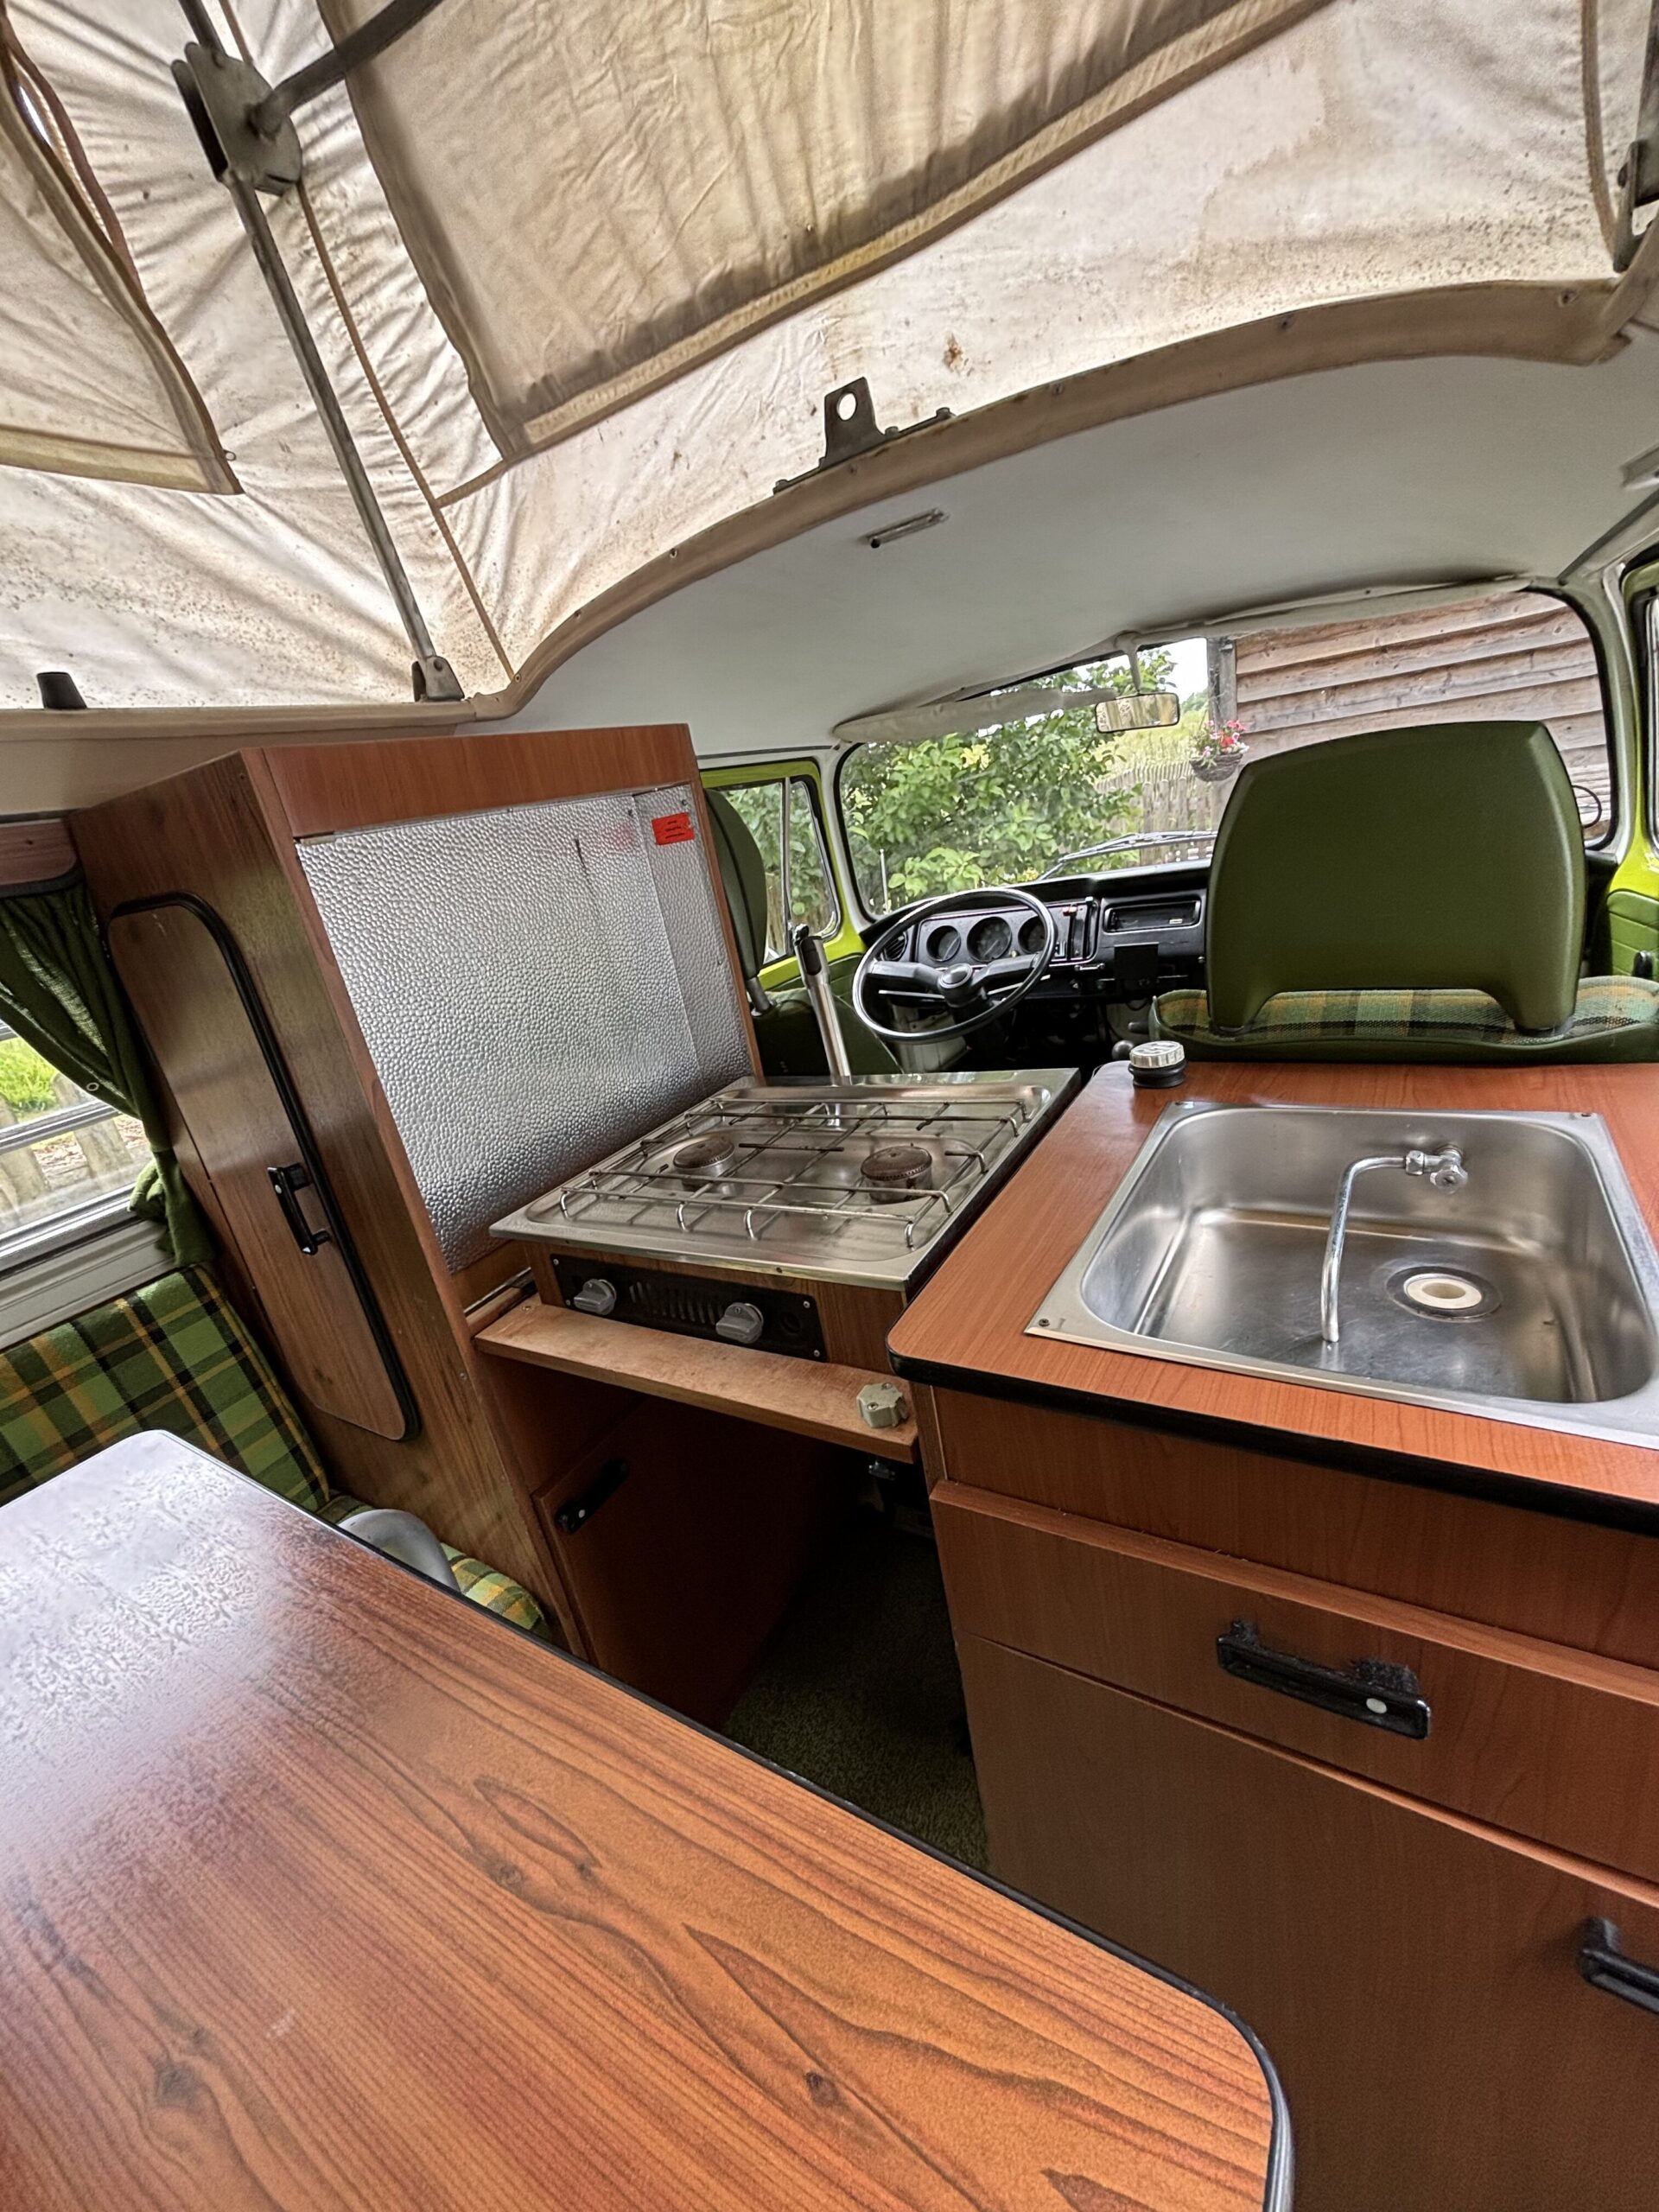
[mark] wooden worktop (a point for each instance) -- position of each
(805, 1396)
(966, 1328)
(320, 1888)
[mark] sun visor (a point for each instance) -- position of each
(600, 198)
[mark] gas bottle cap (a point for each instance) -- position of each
(1159, 1063)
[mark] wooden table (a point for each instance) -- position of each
(318, 1887)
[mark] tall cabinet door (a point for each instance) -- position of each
(201, 1029)
(1414, 1978)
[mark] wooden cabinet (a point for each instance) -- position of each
(1570, 1580)
(680, 1535)
(369, 1329)
(1400, 1917)
(1557, 1745)
(1412, 1974)
(204, 1024)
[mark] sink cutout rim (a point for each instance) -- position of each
(1630, 1416)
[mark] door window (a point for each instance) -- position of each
(809, 893)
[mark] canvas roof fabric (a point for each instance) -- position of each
(91, 386)
(581, 276)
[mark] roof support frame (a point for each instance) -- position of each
(224, 96)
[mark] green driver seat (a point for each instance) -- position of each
(1406, 894)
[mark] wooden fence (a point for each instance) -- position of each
(1523, 657)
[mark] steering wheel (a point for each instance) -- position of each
(972, 992)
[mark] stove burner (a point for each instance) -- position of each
(706, 1159)
(895, 1171)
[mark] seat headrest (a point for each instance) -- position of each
(1441, 858)
(743, 874)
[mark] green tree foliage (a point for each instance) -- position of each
(27, 1083)
(999, 806)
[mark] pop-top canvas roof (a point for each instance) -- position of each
(581, 276)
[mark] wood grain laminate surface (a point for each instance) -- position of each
(1554, 1744)
(216, 836)
(812, 1398)
(967, 1326)
(322, 1889)
(1415, 1974)
(330, 787)
(35, 852)
(198, 1027)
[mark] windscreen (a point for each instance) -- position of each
(1052, 795)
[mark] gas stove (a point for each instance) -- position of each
(862, 1185)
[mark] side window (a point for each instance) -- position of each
(810, 895)
(63, 1155)
(1519, 656)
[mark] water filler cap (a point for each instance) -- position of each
(1159, 1065)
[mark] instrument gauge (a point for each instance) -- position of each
(991, 939)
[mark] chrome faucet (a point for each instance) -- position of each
(1445, 1170)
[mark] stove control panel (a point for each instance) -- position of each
(693, 1306)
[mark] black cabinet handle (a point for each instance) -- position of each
(1604, 1966)
(578, 1511)
(286, 1181)
(1371, 1690)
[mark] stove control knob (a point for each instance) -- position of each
(595, 1296)
(742, 1323)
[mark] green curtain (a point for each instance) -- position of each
(61, 994)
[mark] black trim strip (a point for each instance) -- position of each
(1530, 1493)
(276, 1068)
(1281, 2174)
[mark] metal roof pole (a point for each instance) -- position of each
(249, 139)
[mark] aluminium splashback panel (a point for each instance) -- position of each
(536, 985)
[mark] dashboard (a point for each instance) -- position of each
(1113, 943)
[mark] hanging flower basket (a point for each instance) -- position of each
(1220, 753)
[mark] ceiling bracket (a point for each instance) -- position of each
(1638, 179)
(434, 678)
(245, 122)
(222, 92)
(850, 429)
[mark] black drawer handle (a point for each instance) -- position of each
(579, 1511)
(1604, 1966)
(1371, 1690)
(286, 1182)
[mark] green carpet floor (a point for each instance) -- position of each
(858, 1691)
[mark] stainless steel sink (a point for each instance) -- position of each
(1528, 1293)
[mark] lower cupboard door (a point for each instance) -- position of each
(1415, 1977)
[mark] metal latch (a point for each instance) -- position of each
(850, 428)
(288, 1182)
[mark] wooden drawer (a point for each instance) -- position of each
(1555, 1744)
(1568, 1582)
(1413, 1977)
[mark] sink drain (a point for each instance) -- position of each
(1445, 1294)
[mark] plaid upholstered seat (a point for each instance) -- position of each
(1616, 1017)
(175, 1356)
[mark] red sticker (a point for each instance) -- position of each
(672, 829)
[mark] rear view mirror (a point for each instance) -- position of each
(1138, 710)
